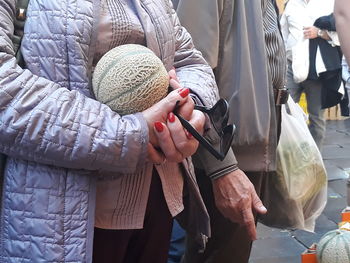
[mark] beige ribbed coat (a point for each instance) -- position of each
(121, 199)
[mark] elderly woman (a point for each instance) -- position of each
(60, 143)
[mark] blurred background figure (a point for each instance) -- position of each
(346, 74)
(342, 18)
(314, 59)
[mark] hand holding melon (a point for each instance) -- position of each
(131, 78)
(169, 133)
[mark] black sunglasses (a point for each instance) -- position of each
(218, 116)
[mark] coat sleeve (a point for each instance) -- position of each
(205, 26)
(201, 19)
(43, 122)
(191, 68)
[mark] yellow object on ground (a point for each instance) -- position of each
(303, 103)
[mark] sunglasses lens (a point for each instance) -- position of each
(227, 137)
(219, 115)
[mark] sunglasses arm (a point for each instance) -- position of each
(201, 108)
(200, 138)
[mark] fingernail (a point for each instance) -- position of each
(159, 126)
(189, 135)
(263, 208)
(184, 92)
(171, 117)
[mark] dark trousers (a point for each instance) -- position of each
(229, 242)
(312, 90)
(150, 244)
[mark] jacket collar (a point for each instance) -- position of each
(94, 33)
(149, 28)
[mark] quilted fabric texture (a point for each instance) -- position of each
(48, 200)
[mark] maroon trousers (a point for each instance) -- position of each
(150, 244)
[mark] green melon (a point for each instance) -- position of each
(130, 78)
(334, 247)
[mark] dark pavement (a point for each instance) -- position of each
(285, 246)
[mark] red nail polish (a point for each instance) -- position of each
(159, 126)
(184, 92)
(171, 117)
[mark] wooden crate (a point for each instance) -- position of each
(309, 255)
(332, 113)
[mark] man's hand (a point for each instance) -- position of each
(310, 32)
(236, 199)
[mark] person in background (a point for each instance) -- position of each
(177, 243)
(242, 43)
(313, 59)
(342, 19)
(346, 74)
(57, 141)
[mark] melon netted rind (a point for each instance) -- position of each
(334, 247)
(130, 78)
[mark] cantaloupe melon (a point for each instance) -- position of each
(130, 78)
(334, 247)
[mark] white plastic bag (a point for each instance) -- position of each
(300, 60)
(297, 194)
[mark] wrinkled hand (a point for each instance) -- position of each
(310, 32)
(236, 199)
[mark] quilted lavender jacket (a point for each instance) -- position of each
(48, 191)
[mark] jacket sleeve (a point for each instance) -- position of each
(43, 122)
(194, 72)
(191, 68)
(201, 19)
